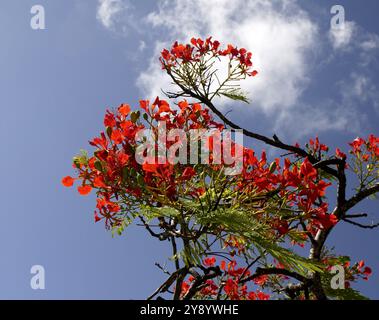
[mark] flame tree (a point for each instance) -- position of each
(258, 234)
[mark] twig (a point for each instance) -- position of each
(372, 226)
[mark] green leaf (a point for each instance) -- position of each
(140, 179)
(235, 94)
(151, 212)
(134, 116)
(240, 223)
(98, 165)
(125, 173)
(109, 131)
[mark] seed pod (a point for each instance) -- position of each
(134, 116)
(272, 167)
(140, 179)
(98, 165)
(109, 131)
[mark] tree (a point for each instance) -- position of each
(233, 233)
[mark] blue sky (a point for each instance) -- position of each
(56, 84)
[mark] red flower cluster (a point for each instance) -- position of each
(340, 154)
(316, 147)
(366, 149)
(286, 197)
(197, 48)
(230, 285)
(235, 245)
(113, 169)
(301, 187)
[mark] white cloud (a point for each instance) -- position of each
(351, 37)
(370, 43)
(342, 35)
(280, 34)
(312, 120)
(359, 89)
(286, 45)
(110, 12)
(141, 46)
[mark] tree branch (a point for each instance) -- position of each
(363, 194)
(170, 280)
(372, 226)
(210, 273)
(275, 141)
(278, 271)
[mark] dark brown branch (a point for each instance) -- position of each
(199, 282)
(170, 280)
(327, 162)
(278, 271)
(358, 215)
(341, 190)
(248, 267)
(174, 252)
(161, 236)
(275, 141)
(293, 290)
(372, 226)
(363, 194)
(163, 269)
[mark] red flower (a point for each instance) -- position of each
(196, 107)
(183, 53)
(356, 144)
(150, 167)
(307, 170)
(117, 136)
(263, 296)
(101, 142)
(283, 228)
(321, 187)
(122, 158)
(340, 154)
(367, 271)
(84, 190)
(164, 107)
(253, 73)
(252, 296)
(144, 104)
(109, 119)
(68, 181)
(166, 54)
(261, 280)
(188, 173)
(326, 220)
(209, 262)
(183, 105)
(96, 216)
(98, 182)
(124, 109)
